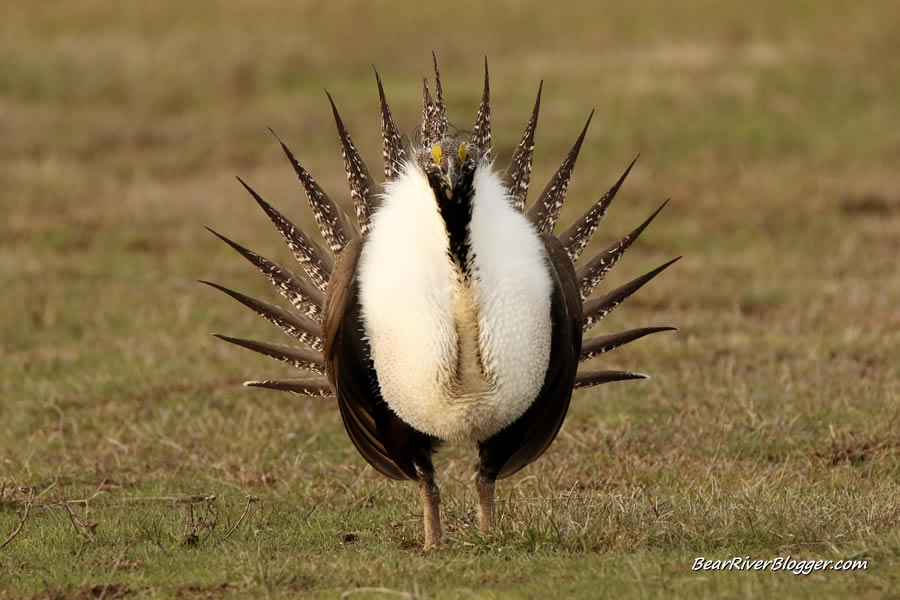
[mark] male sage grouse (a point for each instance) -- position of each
(447, 313)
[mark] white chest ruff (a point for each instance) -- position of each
(457, 361)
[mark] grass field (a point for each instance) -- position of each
(771, 426)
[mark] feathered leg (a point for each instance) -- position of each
(431, 501)
(487, 514)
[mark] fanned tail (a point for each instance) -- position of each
(338, 230)
(574, 240)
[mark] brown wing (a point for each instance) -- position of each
(391, 446)
(529, 436)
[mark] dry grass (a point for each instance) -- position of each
(770, 427)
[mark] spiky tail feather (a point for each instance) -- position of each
(545, 211)
(518, 173)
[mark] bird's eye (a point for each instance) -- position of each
(462, 153)
(436, 153)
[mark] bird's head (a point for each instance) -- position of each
(447, 156)
(447, 159)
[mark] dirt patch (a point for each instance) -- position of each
(196, 591)
(870, 205)
(856, 449)
(85, 592)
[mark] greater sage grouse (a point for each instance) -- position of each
(447, 314)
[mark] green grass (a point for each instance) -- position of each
(769, 428)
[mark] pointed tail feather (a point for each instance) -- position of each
(316, 387)
(362, 186)
(596, 308)
(591, 274)
(392, 148)
(297, 326)
(434, 113)
(315, 260)
(301, 358)
(518, 173)
(300, 292)
(545, 211)
(481, 131)
(439, 91)
(575, 239)
(585, 379)
(595, 346)
(334, 224)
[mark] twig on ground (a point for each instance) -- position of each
(29, 501)
(378, 590)
(190, 528)
(84, 530)
(84, 543)
(116, 566)
(189, 499)
(80, 526)
(209, 523)
(194, 525)
(250, 500)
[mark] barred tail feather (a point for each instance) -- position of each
(591, 274)
(315, 260)
(481, 131)
(300, 292)
(545, 211)
(585, 379)
(596, 308)
(308, 360)
(334, 224)
(297, 326)
(596, 346)
(362, 186)
(316, 387)
(434, 113)
(392, 144)
(575, 239)
(518, 173)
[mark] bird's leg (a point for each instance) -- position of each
(431, 500)
(487, 517)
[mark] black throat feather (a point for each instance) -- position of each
(455, 207)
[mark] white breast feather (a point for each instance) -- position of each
(410, 300)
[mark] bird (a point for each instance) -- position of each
(446, 313)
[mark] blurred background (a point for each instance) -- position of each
(773, 126)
